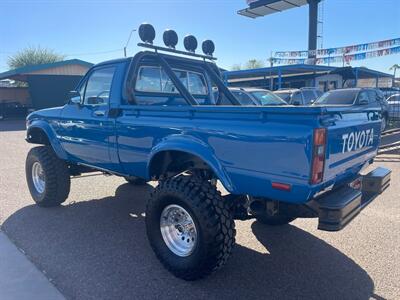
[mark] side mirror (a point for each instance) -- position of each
(95, 100)
(74, 97)
(363, 102)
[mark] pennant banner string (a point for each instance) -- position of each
(339, 51)
(337, 59)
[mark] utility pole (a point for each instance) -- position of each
(127, 42)
(271, 79)
(312, 29)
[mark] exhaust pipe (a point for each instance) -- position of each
(258, 206)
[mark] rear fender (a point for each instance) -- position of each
(197, 148)
(51, 136)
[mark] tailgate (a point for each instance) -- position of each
(353, 140)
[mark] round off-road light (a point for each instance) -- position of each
(190, 43)
(170, 38)
(147, 33)
(208, 47)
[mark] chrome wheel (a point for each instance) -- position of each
(38, 177)
(178, 230)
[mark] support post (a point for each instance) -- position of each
(279, 78)
(356, 75)
(312, 28)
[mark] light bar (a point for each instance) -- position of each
(170, 38)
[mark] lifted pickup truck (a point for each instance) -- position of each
(155, 117)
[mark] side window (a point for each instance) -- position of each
(297, 99)
(98, 86)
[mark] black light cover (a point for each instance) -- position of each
(170, 38)
(147, 33)
(208, 47)
(190, 43)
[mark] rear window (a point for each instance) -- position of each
(338, 97)
(154, 80)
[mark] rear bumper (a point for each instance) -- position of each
(338, 208)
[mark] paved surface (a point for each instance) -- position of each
(19, 278)
(95, 246)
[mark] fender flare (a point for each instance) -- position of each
(51, 135)
(197, 148)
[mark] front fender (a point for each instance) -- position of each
(51, 135)
(195, 147)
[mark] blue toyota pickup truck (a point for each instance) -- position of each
(156, 117)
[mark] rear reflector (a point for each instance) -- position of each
(318, 158)
(281, 186)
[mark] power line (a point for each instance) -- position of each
(76, 54)
(94, 53)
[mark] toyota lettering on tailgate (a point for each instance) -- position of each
(357, 140)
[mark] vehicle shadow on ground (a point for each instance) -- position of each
(98, 249)
(12, 125)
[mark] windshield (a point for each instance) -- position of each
(267, 98)
(338, 97)
(394, 98)
(243, 98)
(284, 95)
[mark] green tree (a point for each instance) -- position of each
(394, 68)
(33, 56)
(254, 64)
(236, 67)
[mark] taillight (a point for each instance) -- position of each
(318, 158)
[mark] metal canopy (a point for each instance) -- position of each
(260, 8)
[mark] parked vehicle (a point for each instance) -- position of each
(387, 92)
(394, 106)
(302, 96)
(358, 97)
(155, 117)
(12, 109)
(253, 96)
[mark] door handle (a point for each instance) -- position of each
(99, 113)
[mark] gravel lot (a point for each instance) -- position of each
(95, 246)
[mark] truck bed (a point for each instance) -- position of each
(251, 146)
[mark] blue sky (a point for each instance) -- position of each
(81, 29)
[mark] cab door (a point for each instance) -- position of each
(85, 126)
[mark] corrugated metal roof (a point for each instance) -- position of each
(288, 69)
(302, 70)
(29, 69)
